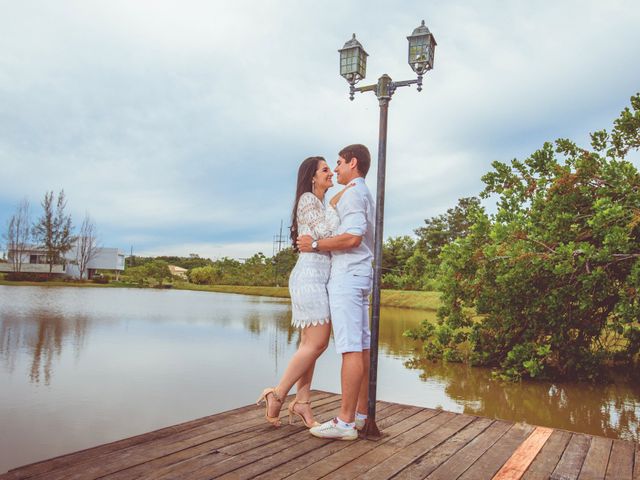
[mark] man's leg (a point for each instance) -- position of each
(363, 395)
(351, 380)
(345, 304)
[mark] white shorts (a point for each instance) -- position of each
(349, 305)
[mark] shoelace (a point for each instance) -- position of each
(331, 425)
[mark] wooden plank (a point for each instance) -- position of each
(399, 460)
(190, 453)
(595, 464)
(570, 463)
(621, 461)
(460, 461)
(268, 450)
(302, 445)
(392, 427)
(202, 449)
(518, 463)
(545, 462)
(417, 443)
(399, 444)
(340, 457)
(422, 418)
(258, 441)
(41, 467)
(364, 460)
(148, 451)
(496, 456)
(248, 449)
(427, 463)
(33, 469)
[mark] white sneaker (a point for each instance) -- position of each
(360, 423)
(331, 429)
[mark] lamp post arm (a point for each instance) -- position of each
(406, 83)
(366, 88)
(385, 88)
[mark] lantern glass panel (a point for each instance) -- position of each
(431, 54)
(417, 49)
(353, 63)
(362, 64)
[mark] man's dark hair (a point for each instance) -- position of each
(360, 152)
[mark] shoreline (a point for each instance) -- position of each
(409, 299)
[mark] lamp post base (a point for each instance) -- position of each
(371, 431)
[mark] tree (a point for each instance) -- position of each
(283, 262)
(158, 270)
(207, 275)
(395, 253)
(54, 230)
(136, 274)
(442, 230)
(549, 286)
(18, 234)
(86, 245)
(192, 261)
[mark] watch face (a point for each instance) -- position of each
(314, 244)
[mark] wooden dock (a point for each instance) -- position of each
(416, 443)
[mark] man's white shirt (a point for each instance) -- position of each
(356, 210)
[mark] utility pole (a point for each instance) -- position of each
(278, 241)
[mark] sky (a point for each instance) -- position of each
(179, 126)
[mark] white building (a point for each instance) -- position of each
(105, 259)
(34, 260)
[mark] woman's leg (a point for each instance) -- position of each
(314, 341)
(303, 394)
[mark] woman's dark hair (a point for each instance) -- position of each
(306, 172)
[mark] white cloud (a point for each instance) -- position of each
(209, 250)
(178, 123)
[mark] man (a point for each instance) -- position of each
(349, 288)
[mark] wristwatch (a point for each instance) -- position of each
(314, 246)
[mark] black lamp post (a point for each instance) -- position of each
(353, 67)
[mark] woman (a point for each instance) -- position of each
(308, 290)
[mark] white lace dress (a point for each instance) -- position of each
(308, 280)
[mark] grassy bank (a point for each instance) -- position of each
(390, 298)
(61, 283)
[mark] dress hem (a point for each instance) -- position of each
(314, 323)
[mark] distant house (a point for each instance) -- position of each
(34, 260)
(110, 259)
(178, 271)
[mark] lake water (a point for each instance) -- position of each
(84, 366)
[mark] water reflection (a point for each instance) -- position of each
(43, 334)
(611, 410)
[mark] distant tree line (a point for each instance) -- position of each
(52, 232)
(258, 270)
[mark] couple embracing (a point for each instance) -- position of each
(329, 288)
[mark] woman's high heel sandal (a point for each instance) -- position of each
(275, 421)
(292, 412)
